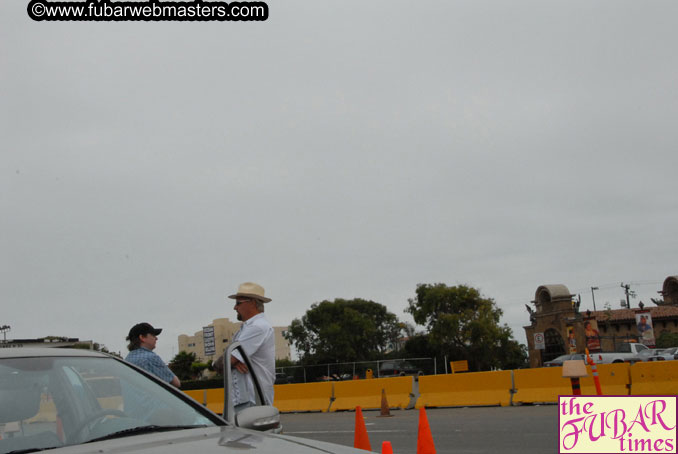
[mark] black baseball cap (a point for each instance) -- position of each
(142, 329)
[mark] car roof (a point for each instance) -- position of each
(47, 352)
(561, 357)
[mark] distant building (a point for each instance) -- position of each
(670, 291)
(224, 330)
(558, 323)
(49, 341)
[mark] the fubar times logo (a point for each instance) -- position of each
(617, 424)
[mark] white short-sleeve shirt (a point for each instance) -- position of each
(257, 338)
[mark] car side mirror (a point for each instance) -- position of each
(262, 418)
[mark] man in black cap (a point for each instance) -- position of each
(142, 338)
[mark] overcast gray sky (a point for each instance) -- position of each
(338, 149)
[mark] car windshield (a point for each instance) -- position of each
(48, 402)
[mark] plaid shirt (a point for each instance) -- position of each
(150, 362)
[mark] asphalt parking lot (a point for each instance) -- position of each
(519, 430)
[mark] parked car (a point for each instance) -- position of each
(282, 379)
(79, 401)
(646, 354)
(666, 354)
(398, 369)
(555, 362)
(627, 352)
(335, 377)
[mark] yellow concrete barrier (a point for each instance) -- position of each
(468, 389)
(215, 400)
(47, 411)
(367, 393)
(545, 384)
(303, 397)
(196, 394)
(615, 380)
(659, 377)
(540, 385)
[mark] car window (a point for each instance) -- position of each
(624, 348)
(59, 401)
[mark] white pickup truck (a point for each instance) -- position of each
(626, 353)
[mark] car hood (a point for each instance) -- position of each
(211, 440)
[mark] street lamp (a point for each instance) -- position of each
(593, 296)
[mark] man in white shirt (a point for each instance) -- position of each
(257, 338)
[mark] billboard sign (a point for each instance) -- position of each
(208, 341)
(645, 329)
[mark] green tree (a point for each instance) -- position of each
(462, 324)
(344, 330)
(666, 340)
(182, 364)
(197, 368)
(284, 362)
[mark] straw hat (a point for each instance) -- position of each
(251, 290)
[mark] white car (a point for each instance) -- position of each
(665, 354)
(557, 362)
(79, 401)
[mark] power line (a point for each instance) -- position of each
(616, 285)
(645, 283)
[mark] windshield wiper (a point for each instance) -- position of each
(142, 430)
(24, 451)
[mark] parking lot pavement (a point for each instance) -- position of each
(519, 430)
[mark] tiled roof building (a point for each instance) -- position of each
(557, 322)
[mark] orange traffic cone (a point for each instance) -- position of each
(361, 440)
(60, 429)
(424, 439)
(386, 447)
(385, 411)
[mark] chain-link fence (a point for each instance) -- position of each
(356, 370)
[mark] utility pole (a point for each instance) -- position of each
(593, 296)
(4, 329)
(628, 292)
